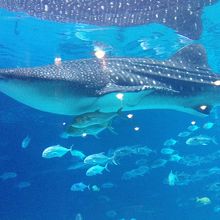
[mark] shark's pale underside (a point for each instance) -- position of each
(182, 15)
(182, 83)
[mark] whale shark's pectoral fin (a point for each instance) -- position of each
(199, 110)
(203, 109)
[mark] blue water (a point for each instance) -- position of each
(26, 41)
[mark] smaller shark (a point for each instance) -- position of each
(183, 83)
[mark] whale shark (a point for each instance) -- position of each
(182, 83)
(184, 16)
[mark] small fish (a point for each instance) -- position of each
(111, 214)
(158, 163)
(95, 188)
(93, 130)
(142, 151)
(214, 170)
(167, 151)
(217, 208)
(8, 175)
(184, 134)
(80, 165)
(96, 170)
(108, 185)
(78, 154)
(140, 171)
(94, 118)
(172, 178)
(175, 158)
(203, 200)
(26, 141)
(55, 151)
(79, 187)
(78, 217)
(141, 162)
(170, 142)
(201, 140)
(23, 184)
(193, 128)
(208, 125)
(100, 159)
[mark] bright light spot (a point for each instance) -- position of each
(193, 122)
(84, 135)
(45, 7)
(217, 83)
(144, 45)
(64, 123)
(120, 96)
(136, 128)
(99, 53)
(203, 107)
(57, 61)
(130, 115)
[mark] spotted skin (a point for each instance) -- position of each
(182, 83)
(182, 15)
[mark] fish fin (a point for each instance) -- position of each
(203, 109)
(106, 167)
(192, 55)
(96, 136)
(71, 149)
(214, 141)
(89, 187)
(119, 111)
(110, 128)
(114, 161)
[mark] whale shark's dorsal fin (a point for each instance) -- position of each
(192, 55)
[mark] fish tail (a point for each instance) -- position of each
(214, 141)
(89, 187)
(110, 128)
(96, 136)
(113, 160)
(71, 150)
(106, 167)
(64, 135)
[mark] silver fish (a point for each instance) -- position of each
(93, 130)
(79, 187)
(94, 118)
(100, 159)
(96, 170)
(8, 175)
(201, 140)
(55, 151)
(26, 141)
